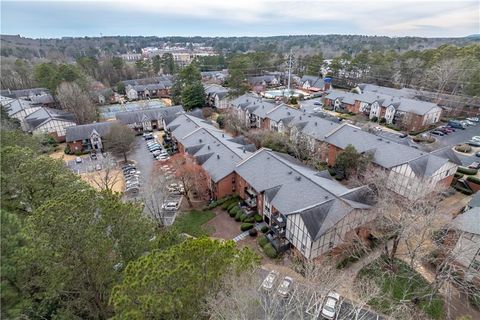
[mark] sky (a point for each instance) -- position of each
(54, 19)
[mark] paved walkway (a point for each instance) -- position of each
(244, 234)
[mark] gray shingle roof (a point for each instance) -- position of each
(293, 188)
(314, 81)
(84, 131)
(14, 106)
(129, 117)
(43, 115)
(469, 221)
(24, 93)
(283, 111)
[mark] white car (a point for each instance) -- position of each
(170, 206)
(78, 160)
(269, 281)
(329, 309)
(473, 119)
(285, 287)
(475, 138)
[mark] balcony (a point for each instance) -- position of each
(279, 243)
(251, 202)
(251, 192)
(279, 220)
(279, 231)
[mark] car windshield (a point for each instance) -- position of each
(329, 309)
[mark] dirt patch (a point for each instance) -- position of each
(225, 226)
(59, 154)
(95, 179)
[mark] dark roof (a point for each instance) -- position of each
(43, 115)
(129, 117)
(475, 201)
(23, 93)
(84, 131)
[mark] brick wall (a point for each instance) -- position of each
(224, 187)
(332, 154)
(75, 145)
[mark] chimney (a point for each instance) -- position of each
(315, 123)
(218, 156)
(199, 140)
(208, 147)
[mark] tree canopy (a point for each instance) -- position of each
(172, 283)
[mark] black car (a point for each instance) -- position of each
(437, 133)
(93, 156)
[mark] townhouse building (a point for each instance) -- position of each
(18, 108)
(50, 121)
(87, 137)
(148, 119)
(406, 113)
(464, 242)
(217, 96)
(411, 172)
(305, 208)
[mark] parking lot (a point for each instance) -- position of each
(346, 309)
(88, 165)
(459, 136)
(149, 177)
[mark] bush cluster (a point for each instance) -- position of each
(466, 170)
(465, 148)
(265, 229)
(473, 179)
(258, 218)
(270, 251)
(253, 232)
(246, 226)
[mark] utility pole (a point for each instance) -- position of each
(289, 70)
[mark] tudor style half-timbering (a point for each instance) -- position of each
(87, 137)
(304, 208)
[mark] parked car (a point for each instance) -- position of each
(269, 280)
(170, 206)
(474, 165)
(285, 287)
(162, 158)
(329, 309)
(443, 130)
(474, 143)
(473, 119)
(477, 154)
(93, 156)
(437, 133)
(456, 124)
(98, 167)
(469, 123)
(78, 160)
(447, 129)
(475, 138)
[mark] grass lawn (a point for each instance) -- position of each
(404, 284)
(191, 222)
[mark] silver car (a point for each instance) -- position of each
(329, 309)
(285, 287)
(269, 281)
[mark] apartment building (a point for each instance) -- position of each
(87, 137)
(305, 208)
(148, 119)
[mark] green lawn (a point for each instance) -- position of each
(191, 223)
(404, 284)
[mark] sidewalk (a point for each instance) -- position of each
(244, 234)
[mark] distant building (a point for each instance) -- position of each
(149, 119)
(87, 137)
(217, 96)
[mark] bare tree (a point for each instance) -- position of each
(109, 175)
(234, 123)
(242, 296)
(191, 175)
(154, 196)
(74, 99)
(120, 140)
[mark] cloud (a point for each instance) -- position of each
(242, 17)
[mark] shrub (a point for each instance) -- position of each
(258, 218)
(253, 232)
(347, 261)
(67, 150)
(246, 226)
(466, 170)
(458, 175)
(243, 216)
(382, 120)
(270, 251)
(232, 214)
(463, 190)
(223, 200)
(249, 220)
(392, 126)
(374, 119)
(262, 241)
(232, 209)
(229, 206)
(265, 229)
(473, 179)
(465, 148)
(237, 216)
(212, 205)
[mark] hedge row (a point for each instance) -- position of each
(466, 170)
(458, 175)
(463, 190)
(473, 179)
(465, 148)
(246, 226)
(270, 251)
(262, 241)
(258, 218)
(265, 229)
